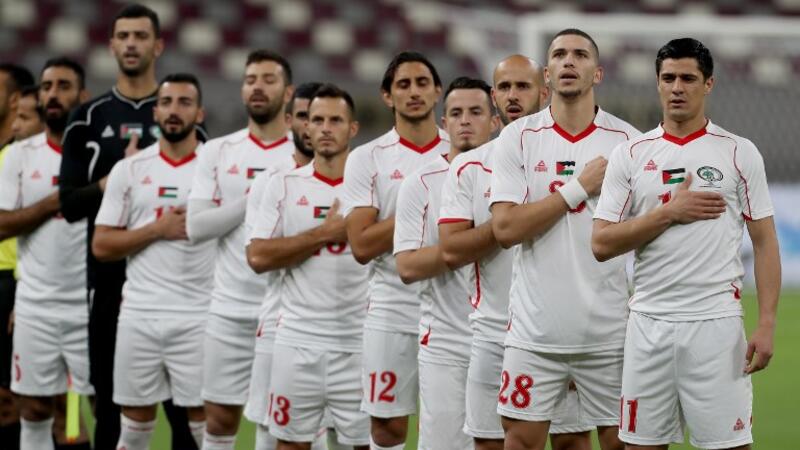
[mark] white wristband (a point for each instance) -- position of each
(573, 193)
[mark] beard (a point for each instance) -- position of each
(57, 123)
(175, 136)
(268, 113)
(300, 145)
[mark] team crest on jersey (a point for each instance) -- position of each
(396, 175)
(155, 131)
(167, 192)
(711, 175)
(565, 167)
(650, 166)
(303, 201)
(541, 167)
(673, 176)
(253, 171)
(233, 170)
(127, 130)
(321, 212)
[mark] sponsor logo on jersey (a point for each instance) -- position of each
(711, 175)
(147, 180)
(321, 212)
(396, 175)
(127, 130)
(167, 192)
(36, 175)
(233, 170)
(739, 426)
(651, 165)
(107, 132)
(303, 201)
(673, 176)
(488, 192)
(253, 171)
(55, 180)
(565, 167)
(541, 167)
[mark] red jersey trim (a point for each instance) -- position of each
(178, 162)
(686, 139)
(452, 220)
(748, 217)
(326, 180)
(423, 149)
(477, 300)
(56, 148)
(576, 137)
(472, 163)
(270, 146)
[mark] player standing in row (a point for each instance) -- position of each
(445, 346)
(51, 293)
(680, 196)
(159, 347)
(318, 340)
(29, 119)
(547, 172)
(411, 87)
(466, 238)
(14, 79)
(226, 168)
(100, 133)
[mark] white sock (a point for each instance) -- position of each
(197, 427)
(135, 435)
(374, 446)
(36, 435)
(264, 440)
(333, 441)
(216, 442)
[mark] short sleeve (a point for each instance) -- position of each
(614, 201)
(508, 172)
(204, 182)
(457, 192)
(752, 188)
(115, 207)
(10, 177)
(267, 219)
(409, 219)
(359, 181)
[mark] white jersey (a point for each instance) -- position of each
(465, 197)
(693, 271)
(373, 175)
(166, 278)
(225, 170)
(444, 326)
(562, 300)
(324, 298)
(52, 258)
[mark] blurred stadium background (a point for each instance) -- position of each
(756, 45)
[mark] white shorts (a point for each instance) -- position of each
(390, 376)
(483, 385)
(306, 382)
(442, 392)
(255, 409)
(158, 359)
(533, 384)
(48, 351)
(229, 348)
(690, 372)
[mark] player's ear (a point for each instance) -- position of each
(709, 84)
(287, 94)
(354, 126)
(84, 96)
(546, 75)
(159, 47)
(544, 95)
(598, 75)
(201, 115)
(495, 123)
(387, 98)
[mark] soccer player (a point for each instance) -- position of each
(29, 119)
(680, 196)
(51, 293)
(411, 87)
(466, 237)
(226, 168)
(324, 293)
(567, 311)
(445, 346)
(13, 80)
(100, 133)
(159, 352)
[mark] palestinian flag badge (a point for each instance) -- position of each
(565, 167)
(673, 176)
(167, 192)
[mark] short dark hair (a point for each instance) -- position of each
(305, 90)
(63, 61)
(183, 77)
(469, 83)
(687, 48)
(581, 33)
(136, 11)
(329, 90)
(257, 56)
(33, 91)
(407, 57)
(18, 77)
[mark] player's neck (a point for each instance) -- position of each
(451, 155)
(137, 87)
(301, 159)
(53, 137)
(333, 167)
(684, 128)
(419, 133)
(270, 131)
(177, 151)
(573, 115)
(6, 134)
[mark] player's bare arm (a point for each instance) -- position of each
(767, 264)
(613, 239)
(369, 237)
(463, 243)
(113, 244)
(417, 265)
(25, 220)
(277, 253)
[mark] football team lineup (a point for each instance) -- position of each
(458, 282)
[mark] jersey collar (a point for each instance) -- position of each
(423, 149)
(327, 180)
(264, 146)
(575, 138)
(686, 139)
(178, 162)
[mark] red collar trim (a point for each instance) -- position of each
(327, 180)
(424, 148)
(54, 146)
(264, 146)
(179, 162)
(686, 139)
(578, 136)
